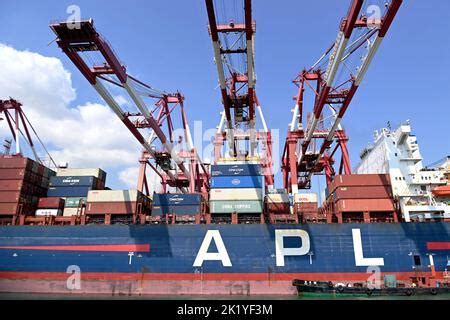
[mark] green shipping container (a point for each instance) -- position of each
(235, 206)
(73, 202)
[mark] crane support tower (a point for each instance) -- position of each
(233, 44)
(312, 141)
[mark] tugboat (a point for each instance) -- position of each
(368, 289)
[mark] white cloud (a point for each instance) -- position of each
(87, 135)
(130, 175)
(41, 82)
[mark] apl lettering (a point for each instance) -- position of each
(280, 250)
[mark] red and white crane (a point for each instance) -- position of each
(233, 43)
(16, 119)
(170, 154)
(309, 145)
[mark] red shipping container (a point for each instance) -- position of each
(310, 213)
(11, 185)
(369, 192)
(10, 196)
(8, 208)
(112, 207)
(360, 180)
(8, 162)
(51, 203)
(15, 208)
(13, 174)
(305, 206)
(361, 205)
(278, 207)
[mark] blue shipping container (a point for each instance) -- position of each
(237, 182)
(236, 170)
(78, 181)
(178, 210)
(68, 191)
(183, 199)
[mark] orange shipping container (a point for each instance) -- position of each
(10, 185)
(10, 196)
(361, 205)
(366, 192)
(360, 180)
(278, 208)
(128, 207)
(15, 162)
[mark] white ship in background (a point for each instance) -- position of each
(397, 154)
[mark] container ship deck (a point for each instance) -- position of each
(223, 228)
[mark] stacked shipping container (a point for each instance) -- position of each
(306, 207)
(236, 188)
(22, 182)
(278, 202)
(362, 197)
(124, 203)
(177, 203)
(50, 206)
(73, 186)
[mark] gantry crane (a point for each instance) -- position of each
(169, 154)
(14, 116)
(309, 145)
(233, 44)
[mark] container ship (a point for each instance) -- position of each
(223, 228)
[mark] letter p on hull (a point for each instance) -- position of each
(281, 251)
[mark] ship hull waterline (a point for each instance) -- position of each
(214, 259)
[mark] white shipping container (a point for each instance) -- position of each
(305, 197)
(68, 212)
(236, 194)
(112, 195)
(278, 198)
(48, 212)
(83, 172)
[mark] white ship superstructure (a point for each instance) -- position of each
(397, 153)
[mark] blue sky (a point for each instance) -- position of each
(166, 44)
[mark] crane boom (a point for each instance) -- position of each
(335, 93)
(77, 41)
(233, 45)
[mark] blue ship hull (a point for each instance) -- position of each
(266, 257)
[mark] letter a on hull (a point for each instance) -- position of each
(221, 255)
